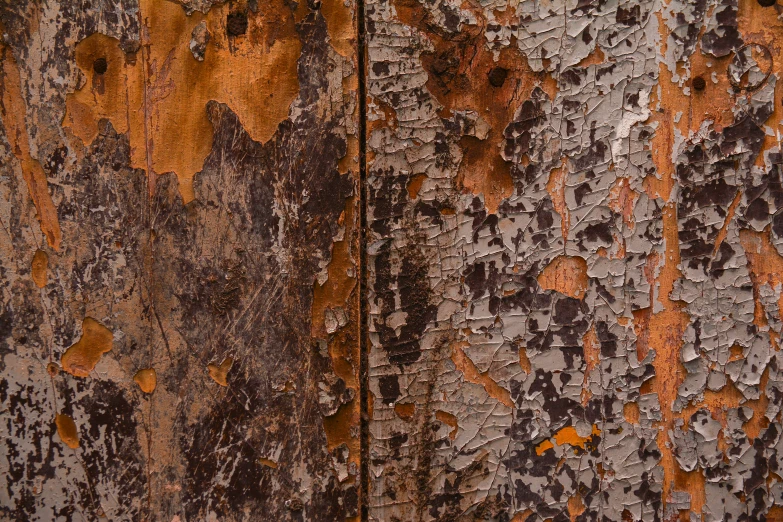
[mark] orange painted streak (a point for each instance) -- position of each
(405, 410)
(575, 507)
(80, 359)
(555, 186)
(724, 229)
(147, 379)
(159, 97)
(414, 185)
(524, 361)
(759, 24)
(269, 463)
(622, 199)
(340, 290)
(544, 446)
(631, 413)
(67, 430)
(449, 420)
(663, 331)
(766, 267)
(665, 328)
(566, 435)
(566, 275)
(465, 365)
(13, 110)
(592, 357)
(219, 373)
(39, 267)
(465, 86)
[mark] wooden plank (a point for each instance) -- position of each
(574, 260)
(179, 260)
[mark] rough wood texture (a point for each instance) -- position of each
(565, 304)
(574, 260)
(179, 261)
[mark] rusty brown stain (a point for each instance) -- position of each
(67, 430)
(219, 373)
(565, 274)
(414, 185)
(665, 328)
(465, 365)
(724, 229)
(147, 379)
(622, 199)
(341, 27)
(162, 95)
(339, 290)
(592, 356)
(269, 463)
(39, 268)
(765, 265)
(405, 410)
(631, 412)
(13, 110)
(449, 420)
(521, 516)
(80, 359)
(53, 369)
(465, 85)
(556, 185)
(575, 507)
(524, 361)
(762, 25)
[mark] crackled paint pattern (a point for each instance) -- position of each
(167, 346)
(592, 334)
(571, 288)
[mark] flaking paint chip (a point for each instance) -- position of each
(567, 275)
(80, 359)
(67, 431)
(39, 267)
(219, 373)
(147, 379)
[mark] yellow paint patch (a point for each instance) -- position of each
(67, 431)
(219, 373)
(147, 379)
(546, 445)
(565, 274)
(39, 267)
(161, 96)
(80, 359)
(567, 435)
(12, 110)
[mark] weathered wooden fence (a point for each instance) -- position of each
(391, 260)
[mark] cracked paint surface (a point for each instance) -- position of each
(177, 209)
(573, 245)
(598, 341)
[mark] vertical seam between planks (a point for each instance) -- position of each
(364, 453)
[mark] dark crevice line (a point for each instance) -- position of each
(364, 346)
